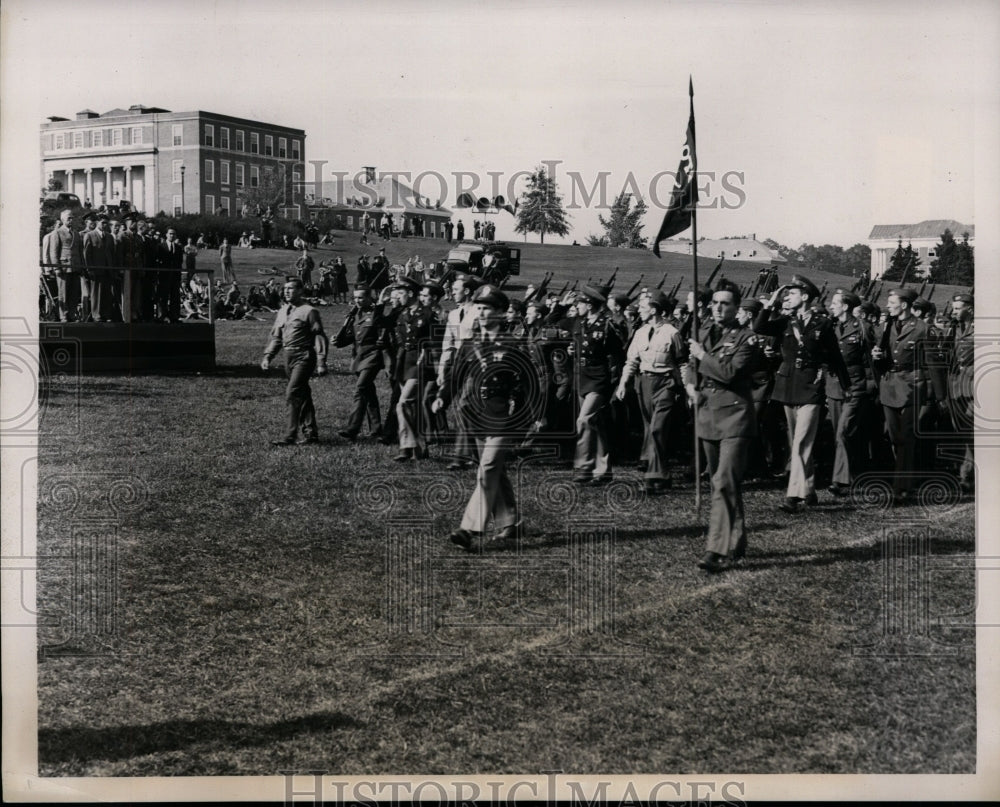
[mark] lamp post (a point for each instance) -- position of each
(182, 189)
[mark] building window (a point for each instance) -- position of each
(209, 134)
(282, 147)
(224, 137)
(116, 137)
(268, 146)
(209, 204)
(295, 150)
(254, 176)
(254, 143)
(224, 201)
(224, 172)
(210, 170)
(178, 134)
(97, 138)
(136, 135)
(57, 141)
(239, 140)
(177, 204)
(176, 168)
(239, 175)
(78, 140)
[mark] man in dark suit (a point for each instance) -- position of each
(720, 383)
(901, 356)
(168, 284)
(364, 332)
(850, 409)
(807, 345)
(98, 258)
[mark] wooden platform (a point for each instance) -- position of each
(119, 347)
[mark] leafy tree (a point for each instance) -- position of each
(903, 260)
(541, 210)
(953, 262)
(597, 241)
(857, 261)
(624, 227)
(274, 190)
(53, 185)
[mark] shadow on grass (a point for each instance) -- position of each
(124, 742)
(847, 554)
(253, 371)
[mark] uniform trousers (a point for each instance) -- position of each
(656, 400)
(86, 289)
(961, 409)
(465, 443)
(408, 414)
(847, 417)
(101, 298)
(298, 396)
(900, 424)
(365, 401)
(727, 460)
(132, 295)
(68, 285)
(493, 494)
(803, 423)
(592, 436)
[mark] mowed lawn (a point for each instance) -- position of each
(294, 608)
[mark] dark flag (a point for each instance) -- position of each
(684, 196)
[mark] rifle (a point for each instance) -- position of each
(906, 269)
(874, 290)
(715, 271)
(611, 280)
(930, 294)
(662, 281)
(340, 340)
(822, 293)
(675, 289)
(922, 287)
(856, 286)
(540, 289)
(635, 285)
(575, 284)
(563, 290)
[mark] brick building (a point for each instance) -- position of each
(191, 162)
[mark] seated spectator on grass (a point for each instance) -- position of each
(244, 240)
(201, 243)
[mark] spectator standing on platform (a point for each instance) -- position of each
(66, 251)
(98, 258)
(190, 260)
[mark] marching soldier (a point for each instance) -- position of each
(901, 357)
(655, 356)
(598, 354)
(364, 332)
(932, 412)
(719, 381)
(459, 328)
(807, 345)
(961, 344)
(413, 333)
(769, 448)
(850, 409)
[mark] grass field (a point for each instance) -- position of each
(256, 609)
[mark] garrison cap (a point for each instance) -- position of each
(806, 285)
(920, 304)
(659, 298)
(407, 283)
(491, 296)
(962, 297)
(754, 306)
(906, 295)
(539, 306)
(869, 308)
(622, 299)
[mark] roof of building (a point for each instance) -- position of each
(87, 117)
(932, 228)
(387, 194)
(744, 249)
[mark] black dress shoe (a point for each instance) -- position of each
(606, 479)
(838, 490)
(307, 441)
(811, 500)
(714, 563)
(654, 487)
(404, 455)
(282, 442)
(463, 538)
(347, 435)
(792, 505)
(582, 479)
(740, 551)
(386, 440)
(508, 536)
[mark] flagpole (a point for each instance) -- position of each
(694, 312)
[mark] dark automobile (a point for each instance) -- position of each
(494, 261)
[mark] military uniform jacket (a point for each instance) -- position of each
(98, 253)
(806, 346)
(724, 382)
(961, 360)
(598, 354)
(856, 339)
(364, 332)
(904, 363)
(413, 332)
(506, 383)
(764, 366)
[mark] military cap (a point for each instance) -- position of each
(518, 306)
(593, 295)
(492, 296)
(362, 287)
(407, 283)
(539, 306)
(904, 294)
(962, 297)
(434, 288)
(849, 298)
(805, 285)
(659, 298)
(754, 306)
(604, 291)
(920, 304)
(622, 299)
(869, 308)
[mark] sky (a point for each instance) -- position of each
(828, 117)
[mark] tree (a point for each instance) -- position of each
(597, 241)
(541, 210)
(857, 261)
(273, 190)
(53, 185)
(903, 260)
(624, 227)
(965, 268)
(953, 262)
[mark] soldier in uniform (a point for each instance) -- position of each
(719, 381)
(901, 356)
(459, 328)
(850, 409)
(768, 452)
(932, 412)
(808, 344)
(364, 332)
(961, 356)
(655, 356)
(598, 355)
(413, 333)
(507, 405)
(299, 330)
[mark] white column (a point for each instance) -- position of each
(69, 181)
(90, 183)
(107, 185)
(128, 183)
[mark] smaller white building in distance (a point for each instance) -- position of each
(925, 236)
(737, 249)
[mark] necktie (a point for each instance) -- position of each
(289, 310)
(461, 314)
(652, 330)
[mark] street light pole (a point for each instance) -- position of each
(182, 189)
